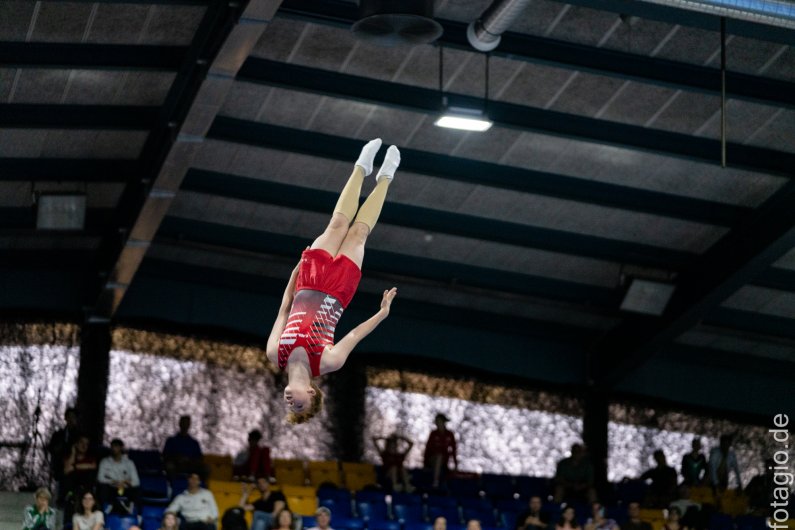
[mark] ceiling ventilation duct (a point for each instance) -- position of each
(484, 33)
(396, 22)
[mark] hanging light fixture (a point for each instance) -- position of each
(469, 118)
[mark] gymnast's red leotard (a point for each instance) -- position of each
(324, 287)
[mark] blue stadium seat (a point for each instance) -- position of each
(421, 478)
(721, 521)
(343, 508)
(440, 501)
(383, 525)
(451, 514)
(371, 496)
(530, 486)
(750, 522)
(486, 517)
(508, 520)
(150, 524)
(511, 505)
(347, 523)
(146, 461)
(456, 526)
(154, 489)
(372, 511)
(498, 486)
(339, 495)
(153, 512)
(463, 487)
(406, 513)
(117, 522)
(178, 485)
(418, 526)
(480, 503)
(407, 499)
(307, 521)
(631, 491)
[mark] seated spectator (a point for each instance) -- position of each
(692, 517)
(284, 520)
(672, 522)
(663, 482)
(118, 479)
(170, 521)
(722, 461)
(40, 516)
(598, 521)
(440, 523)
(182, 452)
(392, 458)
(474, 524)
(532, 518)
(439, 449)
(574, 477)
(196, 505)
(694, 465)
(633, 518)
(254, 460)
(322, 519)
(568, 520)
(87, 516)
(265, 509)
(79, 473)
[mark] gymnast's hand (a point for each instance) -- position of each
(386, 301)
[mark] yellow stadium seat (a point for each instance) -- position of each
(225, 486)
(358, 481)
(289, 472)
(702, 494)
(321, 476)
(330, 465)
(358, 467)
(226, 500)
(298, 491)
(219, 466)
(651, 514)
(302, 505)
(287, 463)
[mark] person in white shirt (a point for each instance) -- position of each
(322, 519)
(196, 505)
(118, 479)
(88, 517)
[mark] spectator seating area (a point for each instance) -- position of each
(350, 491)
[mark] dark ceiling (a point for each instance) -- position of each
(211, 147)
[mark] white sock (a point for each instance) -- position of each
(390, 164)
(367, 156)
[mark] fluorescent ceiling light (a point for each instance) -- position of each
(647, 297)
(61, 212)
(464, 120)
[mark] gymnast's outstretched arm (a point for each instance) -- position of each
(272, 350)
(336, 356)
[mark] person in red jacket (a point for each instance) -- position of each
(439, 449)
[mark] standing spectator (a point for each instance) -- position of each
(265, 509)
(79, 472)
(392, 458)
(253, 461)
(574, 477)
(532, 518)
(694, 465)
(722, 461)
(40, 516)
(568, 520)
(170, 521)
(118, 478)
(196, 505)
(598, 521)
(322, 519)
(440, 523)
(663, 482)
(439, 449)
(87, 516)
(61, 442)
(760, 490)
(182, 452)
(634, 522)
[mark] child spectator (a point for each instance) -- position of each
(40, 516)
(87, 516)
(322, 519)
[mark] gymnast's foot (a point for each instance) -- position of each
(390, 164)
(367, 156)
